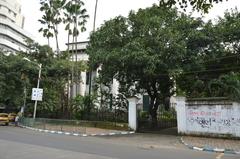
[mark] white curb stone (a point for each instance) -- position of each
(76, 134)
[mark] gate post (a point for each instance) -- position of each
(180, 103)
(132, 112)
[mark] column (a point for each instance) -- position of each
(132, 113)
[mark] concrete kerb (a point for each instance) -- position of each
(78, 134)
(209, 149)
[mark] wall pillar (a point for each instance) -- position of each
(181, 113)
(236, 130)
(132, 113)
(83, 84)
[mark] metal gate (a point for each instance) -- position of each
(165, 119)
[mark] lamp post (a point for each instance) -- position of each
(38, 83)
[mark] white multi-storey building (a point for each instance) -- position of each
(12, 35)
(82, 88)
(79, 54)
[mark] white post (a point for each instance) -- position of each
(181, 113)
(83, 84)
(132, 113)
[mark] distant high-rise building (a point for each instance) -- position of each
(12, 35)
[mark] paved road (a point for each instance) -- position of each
(18, 143)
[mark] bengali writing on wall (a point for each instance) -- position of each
(210, 119)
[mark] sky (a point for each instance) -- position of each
(107, 9)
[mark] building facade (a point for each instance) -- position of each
(78, 54)
(12, 35)
(78, 51)
(81, 87)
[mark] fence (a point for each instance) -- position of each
(109, 115)
(113, 115)
(74, 126)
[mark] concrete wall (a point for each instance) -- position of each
(214, 117)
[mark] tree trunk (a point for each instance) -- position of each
(56, 38)
(154, 103)
(77, 73)
(73, 64)
(68, 79)
(48, 41)
(58, 51)
(153, 111)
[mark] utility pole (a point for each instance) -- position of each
(38, 83)
(90, 71)
(39, 77)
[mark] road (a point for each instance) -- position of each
(19, 143)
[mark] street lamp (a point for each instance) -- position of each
(38, 83)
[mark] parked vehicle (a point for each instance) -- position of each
(11, 117)
(4, 119)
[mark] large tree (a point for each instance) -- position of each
(53, 79)
(219, 61)
(13, 81)
(17, 75)
(144, 51)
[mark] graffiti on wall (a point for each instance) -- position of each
(212, 119)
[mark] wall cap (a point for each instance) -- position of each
(209, 99)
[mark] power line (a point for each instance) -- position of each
(202, 71)
(223, 57)
(212, 70)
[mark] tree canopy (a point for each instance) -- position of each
(145, 50)
(199, 5)
(219, 60)
(17, 74)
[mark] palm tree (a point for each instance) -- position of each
(51, 18)
(75, 17)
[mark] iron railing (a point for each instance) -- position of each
(74, 126)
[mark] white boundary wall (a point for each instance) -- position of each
(214, 117)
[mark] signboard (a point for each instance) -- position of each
(37, 94)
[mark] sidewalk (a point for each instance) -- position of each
(167, 138)
(212, 144)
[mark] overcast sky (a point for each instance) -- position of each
(107, 9)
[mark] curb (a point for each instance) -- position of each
(77, 134)
(209, 149)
